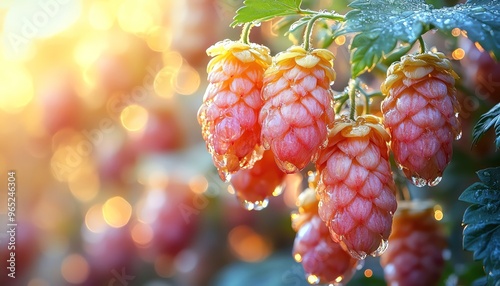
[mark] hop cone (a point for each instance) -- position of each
(324, 260)
(415, 254)
(356, 188)
(421, 111)
(231, 104)
(298, 106)
(253, 186)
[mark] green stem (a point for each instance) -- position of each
(310, 25)
(422, 44)
(245, 33)
(353, 83)
(340, 99)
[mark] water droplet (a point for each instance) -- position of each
(490, 207)
(255, 206)
(458, 136)
(447, 21)
(435, 181)
(478, 194)
(312, 279)
(256, 23)
(417, 181)
(486, 173)
(360, 255)
(381, 248)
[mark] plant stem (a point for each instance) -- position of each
(310, 24)
(245, 33)
(353, 83)
(340, 100)
(422, 44)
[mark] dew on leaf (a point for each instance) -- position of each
(478, 194)
(491, 207)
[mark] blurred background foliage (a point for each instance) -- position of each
(98, 103)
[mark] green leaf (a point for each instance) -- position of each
(382, 24)
(263, 10)
(478, 17)
(479, 193)
(482, 222)
(478, 214)
(490, 177)
(485, 122)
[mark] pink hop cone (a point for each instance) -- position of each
(253, 186)
(324, 260)
(421, 112)
(415, 253)
(356, 188)
(229, 113)
(298, 106)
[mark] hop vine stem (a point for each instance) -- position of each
(422, 44)
(245, 33)
(353, 84)
(310, 25)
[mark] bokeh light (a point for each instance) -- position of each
(75, 269)
(116, 211)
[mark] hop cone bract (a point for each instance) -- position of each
(253, 186)
(356, 188)
(324, 260)
(415, 253)
(298, 106)
(231, 104)
(421, 111)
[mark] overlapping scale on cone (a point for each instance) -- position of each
(421, 111)
(231, 104)
(417, 242)
(356, 187)
(324, 260)
(298, 106)
(253, 186)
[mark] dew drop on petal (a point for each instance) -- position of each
(417, 181)
(435, 181)
(360, 255)
(381, 248)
